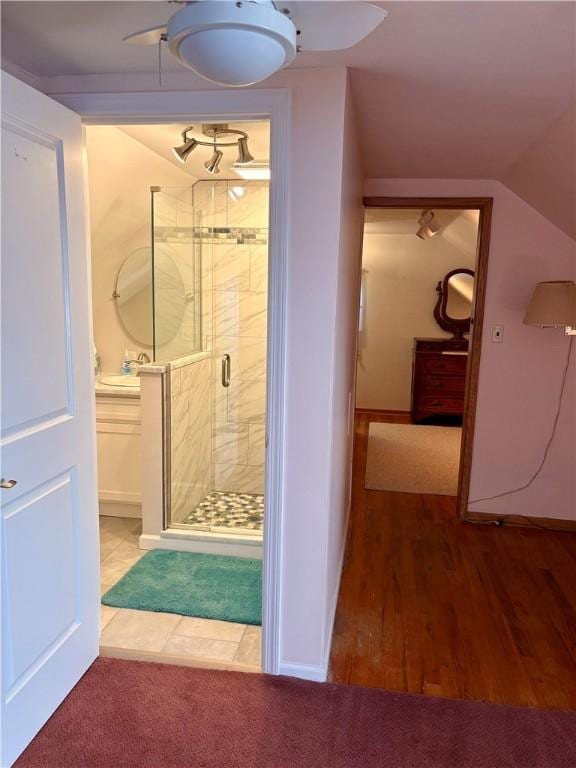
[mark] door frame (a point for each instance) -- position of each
(149, 107)
(484, 206)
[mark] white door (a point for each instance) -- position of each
(50, 596)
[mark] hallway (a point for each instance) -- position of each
(431, 605)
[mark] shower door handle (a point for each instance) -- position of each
(226, 371)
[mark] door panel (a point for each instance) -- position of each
(50, 594)
(37, 280)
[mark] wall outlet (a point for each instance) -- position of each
(497, 334)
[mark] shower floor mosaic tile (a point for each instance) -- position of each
(229, 510)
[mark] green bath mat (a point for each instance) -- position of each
(192, 584)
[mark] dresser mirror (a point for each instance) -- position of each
(453, 308)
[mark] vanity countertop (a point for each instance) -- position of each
(105, 390)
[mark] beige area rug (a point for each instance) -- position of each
(412, 458)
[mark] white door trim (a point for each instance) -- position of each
(223, 106)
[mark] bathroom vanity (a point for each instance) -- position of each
(118, 436)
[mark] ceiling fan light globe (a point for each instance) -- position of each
(232, 44)
(230, 57)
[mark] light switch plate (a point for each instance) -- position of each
(497, 334)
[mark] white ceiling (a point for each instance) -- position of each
(442, 89)
(161, 139)
(458, 227)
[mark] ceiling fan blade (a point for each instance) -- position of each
(333, 26)
(150, 36)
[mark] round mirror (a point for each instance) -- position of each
(133, 294)
(460, 293)
(453, 309)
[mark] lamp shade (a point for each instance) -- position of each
(553, 304)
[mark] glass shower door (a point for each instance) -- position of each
(226, 383)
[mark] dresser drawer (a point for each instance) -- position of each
(452, 385)
(442, 364)
(441, 404)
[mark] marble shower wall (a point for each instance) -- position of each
(191, 435)
(233, 220)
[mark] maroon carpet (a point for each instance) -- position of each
(127, 713)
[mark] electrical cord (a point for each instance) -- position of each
(500, 521)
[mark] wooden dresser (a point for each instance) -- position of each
(438, 378)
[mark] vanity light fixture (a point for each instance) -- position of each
(216, 137)
(553, 305)
(428, 225)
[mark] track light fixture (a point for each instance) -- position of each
(214, 132)
(244, 156)
(212, 165)
(181, 153)
(428, 225)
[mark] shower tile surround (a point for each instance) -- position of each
(229, 238)
(191, 436)
(175, 336)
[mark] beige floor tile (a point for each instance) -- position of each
(139, 630)
(108, 544)
(117, 564)
(128, 549)
(104, 587)
(249, 648)
(107, 613)
(210, 629)
(200, 647)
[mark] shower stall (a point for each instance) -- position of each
(209, 296)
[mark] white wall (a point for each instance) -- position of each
(121, 171)
(344, 341)
(315, 324)
(400, 278)
(520, 378)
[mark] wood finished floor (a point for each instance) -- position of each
(431, 605)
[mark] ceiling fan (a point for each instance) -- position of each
(244, 42)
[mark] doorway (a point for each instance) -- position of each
(421, 308)
(180, 289)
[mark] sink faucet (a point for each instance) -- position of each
(142, 359)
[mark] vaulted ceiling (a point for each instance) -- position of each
(442, 89)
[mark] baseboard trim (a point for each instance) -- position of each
(119, 509)
(382, 411)
(522, 521)
(303, 671)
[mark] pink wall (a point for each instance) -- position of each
(314, 408)
(344, 342)
(544, 175)
(519, 379)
